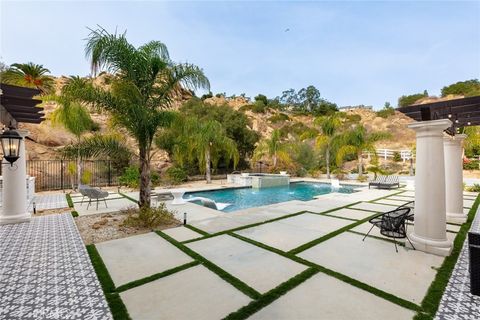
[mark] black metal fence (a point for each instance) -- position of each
(61, 174)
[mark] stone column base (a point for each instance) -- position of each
(457, 217)
(25, 217)
(437, 247)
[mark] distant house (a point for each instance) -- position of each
(359, 107)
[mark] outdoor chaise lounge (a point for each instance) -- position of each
(385, 182)
(92, 193)
(392, 224)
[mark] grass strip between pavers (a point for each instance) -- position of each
(234, 281)
(203, 233)
(69, 200)
(128, 197)
(156, 276)
(330, 235)
(271, 295)
(380, 293)
(435, 292)
(117, 308)
(390, 195)
(210, 235)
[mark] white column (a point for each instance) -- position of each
(454, 178)
(430, 229)
(14, 206)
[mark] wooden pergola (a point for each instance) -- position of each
(18, 105)
(462, 112)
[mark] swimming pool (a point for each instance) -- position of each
(242, 198)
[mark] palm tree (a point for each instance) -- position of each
(207, 142)
(76, 119)
(324, 141)
(145, 83)
(29, 75)
(358, 140)
(272, 148)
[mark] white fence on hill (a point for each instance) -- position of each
(385, 154)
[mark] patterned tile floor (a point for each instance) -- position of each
(49, 201)
(457, 302)
(45, 272)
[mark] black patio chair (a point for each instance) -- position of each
(391, 224)
(411, 205)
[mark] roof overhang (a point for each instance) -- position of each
(18, 105)
(462, 112)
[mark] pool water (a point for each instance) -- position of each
(242, 198)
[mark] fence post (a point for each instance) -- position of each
(61, 175)
(109, 173)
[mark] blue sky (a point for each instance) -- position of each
(353, 52)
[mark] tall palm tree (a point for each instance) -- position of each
(358, 140)
(273, 148)
(329, 126)
(29, 75)
(145, 83)
(207, 142)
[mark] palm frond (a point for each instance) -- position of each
(99, 146)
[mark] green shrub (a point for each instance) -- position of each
(86, 177)
(386, 112)
(471, 165)
(74, 214)
(279, 117)
(131, 177)
(474, 188)
(176, 175)
(397, 157)
(147, 217)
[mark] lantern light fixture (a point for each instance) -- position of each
(10, 141)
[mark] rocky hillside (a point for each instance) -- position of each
(49, 139)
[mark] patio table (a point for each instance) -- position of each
(178, 196)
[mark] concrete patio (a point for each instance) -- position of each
(263, 249)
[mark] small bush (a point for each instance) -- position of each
(86, 177)
(471, 164)
(362, 178)
(176, 175)
(397, 157)
(279, 117)
(386, 112)
(74, 214)
(148, 217)
(474, 188)
(130, 178)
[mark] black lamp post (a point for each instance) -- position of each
(10, 140)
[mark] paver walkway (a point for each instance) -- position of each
(45, 272)
(49, 201)
(457, 301)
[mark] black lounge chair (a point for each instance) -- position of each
(392, 224)
(375, 183)
(389, 183)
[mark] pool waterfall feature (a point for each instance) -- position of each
(259, 180)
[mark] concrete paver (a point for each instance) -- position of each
(137, 257)
(324, 297)
(406, 274)
(260, 269)
(194, 293)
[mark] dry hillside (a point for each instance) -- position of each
(48, 139)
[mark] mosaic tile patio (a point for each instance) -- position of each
(45, 272)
